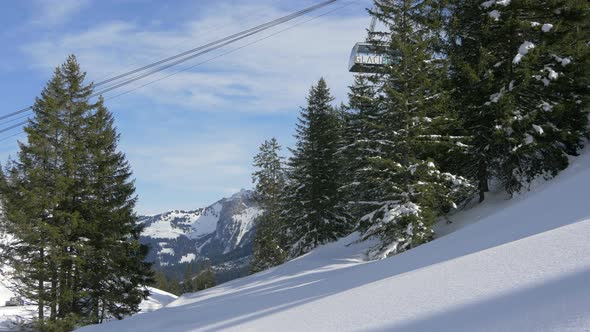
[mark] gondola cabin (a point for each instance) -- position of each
(366, 58)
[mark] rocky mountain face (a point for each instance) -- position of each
(222, 232)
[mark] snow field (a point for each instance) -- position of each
(519, 265)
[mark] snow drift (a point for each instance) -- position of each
(523, 266)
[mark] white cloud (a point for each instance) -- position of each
(271, 75)
(178, 165)
(196, 168)
(56, 12)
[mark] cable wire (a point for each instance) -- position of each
(205, 51)
(11, 136)
(20, 117)
(226, 53)
(258, 28)
(15, 113)
(115, 86)
(14, 126)
(224, 41)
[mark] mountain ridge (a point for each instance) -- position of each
(221, 232)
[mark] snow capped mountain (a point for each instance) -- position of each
(222, 232)
(173, 224)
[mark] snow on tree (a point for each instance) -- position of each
(362, 141)
(409, 189)
(311, 212)
(523, 106)
(270, 182)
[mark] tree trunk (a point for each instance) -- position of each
(41, 290)
(53, 304)
(482, 175)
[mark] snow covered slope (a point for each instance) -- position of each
(157, 299)
(10, 316)
(524, 266)
(5, 293)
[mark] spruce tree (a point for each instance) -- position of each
(270, 182)
(68, 206)
(48, 168)
(520, 73)
(114, 281)
(311, 203)
(187, 282)
(363, 140)
(174, 286)
(548, 88)
(470, 62)
(160, 280)
(206, 278)
(408, 188)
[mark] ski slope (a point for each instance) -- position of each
(519, 265)
(157, 300)
(10, 317)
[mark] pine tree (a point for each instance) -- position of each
(206, 279)
(160, 280)
(174, 286)
(48, 168)
(68, 206)
(363, 140)
(548, 88)
(408, 189)
(522, 103)
(187, 283)
(111, 226)
(270, 182)
(470, 61)
(310, 209)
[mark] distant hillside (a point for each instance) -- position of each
(222, 232)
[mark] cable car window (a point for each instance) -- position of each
(367, 58)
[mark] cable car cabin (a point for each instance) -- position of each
(366, 58)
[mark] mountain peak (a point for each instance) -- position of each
(215, 231)
(243, 193)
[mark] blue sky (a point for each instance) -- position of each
(190, 138)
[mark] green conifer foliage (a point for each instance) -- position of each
(206, 279)
(519, 71)
(311, 211)
(111, 225)
(269, 177)
(363, 140)
(408, 189)
(68, 207)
